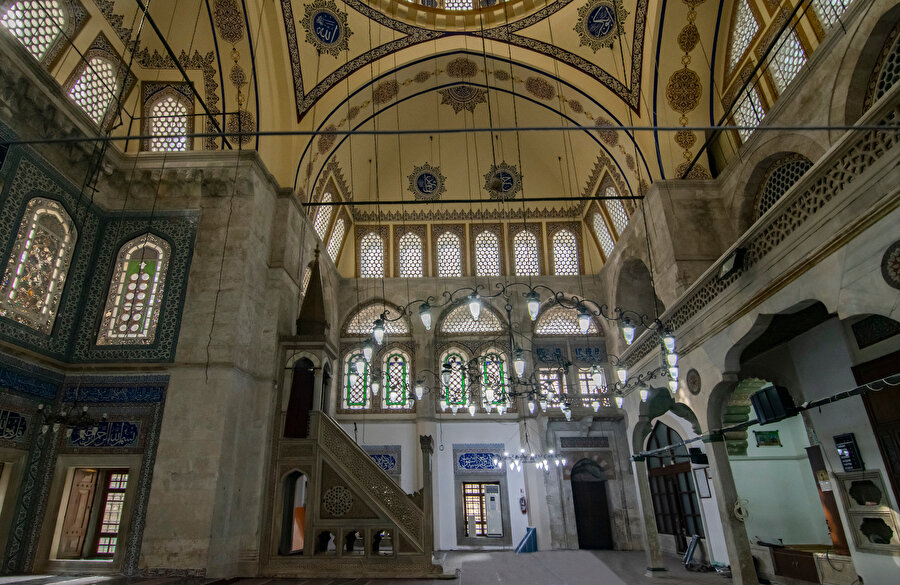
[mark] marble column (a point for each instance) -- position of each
(736, 542)
(655, 565)
(426, 443)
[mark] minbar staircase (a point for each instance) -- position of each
(350, 498)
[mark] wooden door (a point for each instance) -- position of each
(592, 514)
(78, 514)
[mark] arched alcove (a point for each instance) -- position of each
(300, 402)
(293, 520)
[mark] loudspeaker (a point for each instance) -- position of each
(772, 404)
(698, 457)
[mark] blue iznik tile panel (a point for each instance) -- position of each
(386, 457)
(476, 458)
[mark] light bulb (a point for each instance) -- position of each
(378, 331)
(519, 362)
(622, 373)
(446, 374)
(475, 306)
(531, 406)
(673, 386)
(672, 359)
(501, 408)
(376, 386)
(556, 462)
(533, 300)
(488, 407)
(584, 320)
(360, 366)
(543, 405)
(563, 461)
(644, 394)
(669, 342)
(568, 414)
(619, 401)
(425, 315)
(595, 405)
(454, 408)
(628, 331)
(673, 372)
(495, 461)
(596, 375)
(489, 394)
(500, 465)
(472, 409)
(354, 378)
(368, 352)
(420, 389)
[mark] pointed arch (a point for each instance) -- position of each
(458, 321)
(360, 321)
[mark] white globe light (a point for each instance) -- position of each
(425, 315)
(531, 406)
(376, 386)
(378, 331)
(420, 390)
(619, 401)
(519, 363)
(628, 331)
(595, 405)
(534, 304)
(475, 307)
(673, 386)
(644, 394)
(472, 409)
(584, 320)
(368, 352)
(669, 342)
(622, 373)
(360, 366)
(672, 359)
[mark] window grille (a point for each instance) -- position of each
(780, 178)
(474, 507)
(323, 216)
(337, 238)
(455, 390)
(558, 320)
(356, 386)
(449, 255)
(493, 374)
(458, 4)
(307, 274)
(525, 252)
(95, 88)
(396, 374)
(168, 125)
(111, 518)
(565, 253)
(601, 230)
(745, 29)
(749, 113)
(830, 11)
(787, 60)
(460, 320)
(135, 292)
(410, 256)
(35, 23)
(371, 256)
(487, 254)
(552, 383)
(616, 210)
(672, 489)
(588, 388)
(890, 71)
(362, 322)
(36, 271)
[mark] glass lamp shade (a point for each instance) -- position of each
(489, 395)
(596, 375)
(595, 405)
(622, 373)
(673, 386)
(472, 409)
(353, 378)
(568, 414)
(488, 407)
(360, 366)
(446, 374)
(454, 409)
(420, 390)
(519, 363)
(628, 332)
(531, 406)
(644, 394)
(501, 408)
(533, 300)
(475, 307)
(425, 315)
(672, 359)
(378, 331)
(376, 386)
(368, 352)
(619, 401)
(584, 320)
(673, 372)
(669, 342)
(543, 405)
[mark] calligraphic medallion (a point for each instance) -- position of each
(600, 23)
(503, 181)
(326, 27)
(427, 183)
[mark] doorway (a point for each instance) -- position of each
(592, 519)
(300, 402)
(93, 517)
(293, 521)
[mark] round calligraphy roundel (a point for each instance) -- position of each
(601, 22)
(426, 183)
(327, 27)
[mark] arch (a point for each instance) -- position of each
(134, 300)
(556, 319)
(779, 178)
(38, 25)
(454, 393)
(457, 320)
(397, 372)
(355, 381)
(36, 272)
(95, 87)
(169, 119)
(359, 322)
(587, 470)
(294, 486)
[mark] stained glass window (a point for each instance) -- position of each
(525, 253)
(410, 256)
(829, 11)
(36, 23)
(36, 272)
(558, 320)
(552, 383)
(168, 125)
(95, 88)
(396, 378)
(323, 216)
(135, 293)
(493, 376)
(749, 113)
(371, 256)
(356, 385)
(449, 255)
(789, 57)
(565, 253)
(362, 322)
(601, 230)
(336, 239)
(455, 390)
(460, 320)
(111, 518)
(487, 254)
(589, 388)
(745, 28)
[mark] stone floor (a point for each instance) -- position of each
(575, 567)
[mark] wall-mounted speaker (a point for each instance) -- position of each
(772, 404)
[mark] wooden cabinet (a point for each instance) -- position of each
(798, 564)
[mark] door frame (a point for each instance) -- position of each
(609, 517)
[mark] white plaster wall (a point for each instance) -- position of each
(393, 433)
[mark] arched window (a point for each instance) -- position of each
(672, 485)
(323, 216)
(371, 256)
(887, 73)
(487, 254)
(135, 293)
(601, 230)
(36, 272)
(829, 11)
(455, 390)
(616, 210)
(779, 178)
(337, 238)
(743, 30)
(396, 380)
(565, 253)
(559, 320)
(494, 374)
(36, 23)
(787, 59)
(449, 255)
(356, 381)
(749, 113)
(592, 382)
(525, 254)
(460, 320)
(168, 125)
(361, 323)
(410, 256)
(95, 88)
